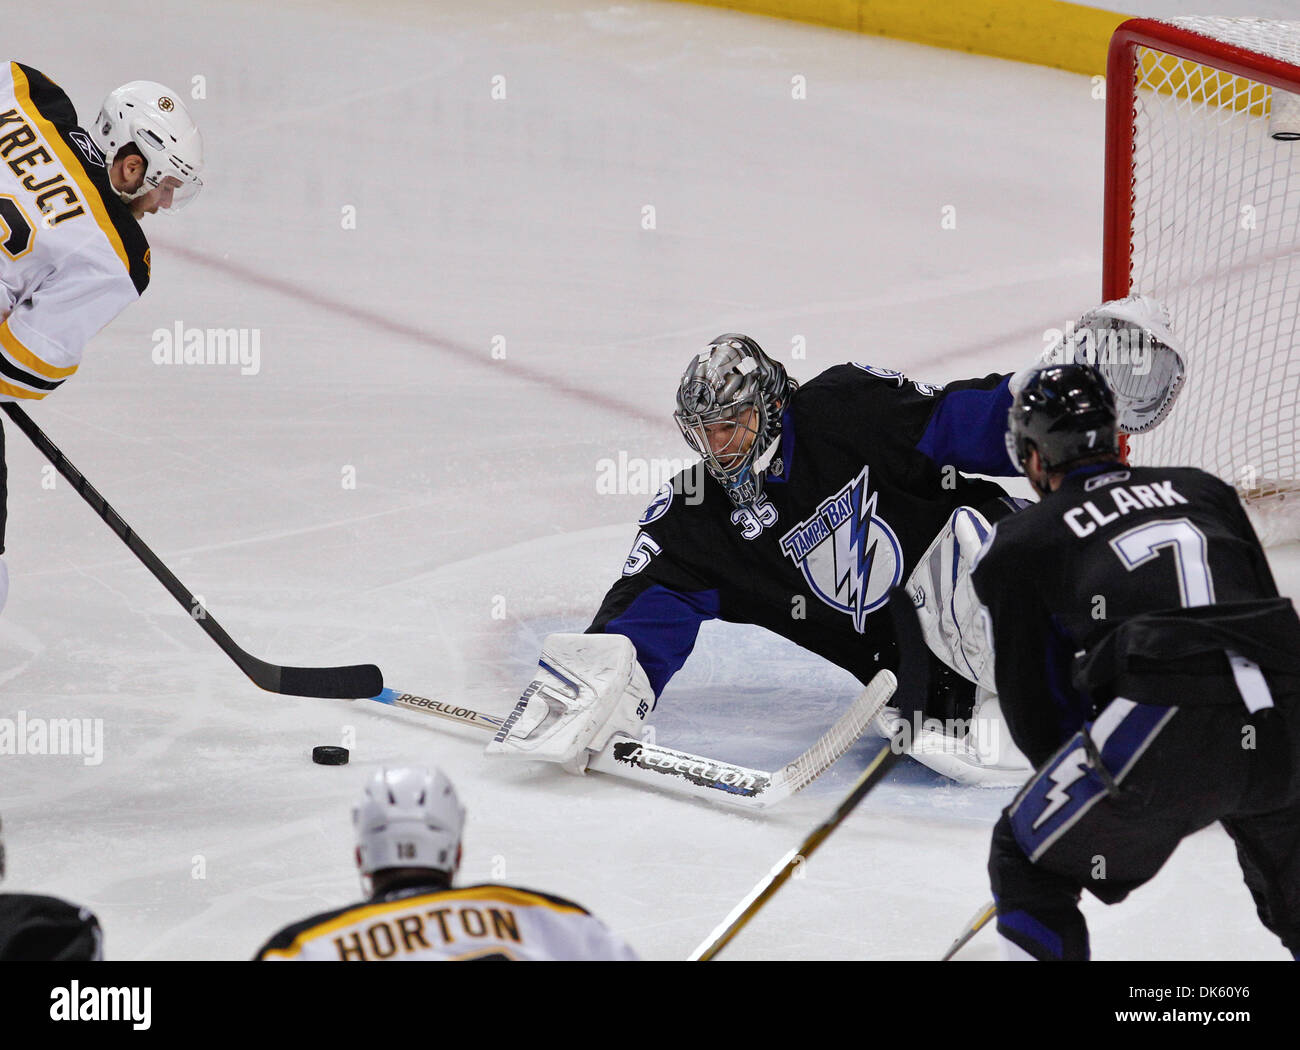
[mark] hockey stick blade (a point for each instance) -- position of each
(738, 785)
(682, 772)
(351, 682)
(354, 682)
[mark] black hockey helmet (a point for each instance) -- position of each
(1067, 412)
(722, 383)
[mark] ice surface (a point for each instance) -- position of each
(475, 525)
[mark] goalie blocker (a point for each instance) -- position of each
(588, 688)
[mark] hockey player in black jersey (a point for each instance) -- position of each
(810, 503)
(1146, 665)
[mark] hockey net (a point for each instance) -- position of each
(1203, 212)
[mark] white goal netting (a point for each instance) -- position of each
(1215, 233)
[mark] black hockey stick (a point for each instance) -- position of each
(357, 681)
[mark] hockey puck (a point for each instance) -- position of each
(325, 755)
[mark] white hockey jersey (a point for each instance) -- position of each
(472, 923)
(71, 254)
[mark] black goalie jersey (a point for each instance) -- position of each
(870, 466)
(1145, 569)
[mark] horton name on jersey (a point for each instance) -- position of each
(847, 553)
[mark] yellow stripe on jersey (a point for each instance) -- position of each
(76, 170)
(21, 391)
(24, 356)
(503, 894)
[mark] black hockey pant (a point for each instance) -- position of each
(1108, 809)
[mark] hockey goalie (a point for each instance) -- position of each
(834, 491)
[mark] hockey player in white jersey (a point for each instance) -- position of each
(72, 254)
(408, 830)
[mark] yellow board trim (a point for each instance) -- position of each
(1216, 89)
(486, 894)
(76, 170)
(27, 359)
(1045, 32)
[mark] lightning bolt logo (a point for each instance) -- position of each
(862, 551)
(847, 553)
(1065, 774)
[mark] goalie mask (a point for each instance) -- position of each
(729, 406)
(1067, 413)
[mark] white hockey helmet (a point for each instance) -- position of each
(151, 117)
(408, 818)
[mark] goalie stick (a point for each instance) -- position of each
(342, 683)
(684, 773)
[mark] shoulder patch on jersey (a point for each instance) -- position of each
(86, 145)
(1105, 479)
(881, 373)
(898, 378)
(659, 505)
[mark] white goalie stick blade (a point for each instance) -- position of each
(714, 781)
(695, 775)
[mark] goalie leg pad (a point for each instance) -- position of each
(952, 618)
(978, 751)
(587, 688)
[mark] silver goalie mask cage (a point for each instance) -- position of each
(729, 405)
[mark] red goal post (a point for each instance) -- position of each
(1202, 211)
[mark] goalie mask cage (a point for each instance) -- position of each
(1203, 212)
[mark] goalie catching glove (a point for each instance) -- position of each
(588, 688)
(1132, 344)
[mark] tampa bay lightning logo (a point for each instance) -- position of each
(897, 378)
(847, 553)
(659, 505)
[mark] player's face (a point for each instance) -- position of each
(731, 439)
(161, 196)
